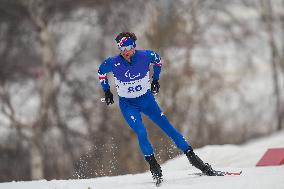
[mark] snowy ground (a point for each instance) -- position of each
(177, 172)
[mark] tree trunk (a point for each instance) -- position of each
(268, 16)
(47, 88)
(36, 161)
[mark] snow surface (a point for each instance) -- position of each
(178, 173)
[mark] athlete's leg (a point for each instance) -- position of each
(134, 120)
(153, 111)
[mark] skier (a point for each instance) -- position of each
(131, 74)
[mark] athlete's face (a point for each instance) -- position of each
(127, 53)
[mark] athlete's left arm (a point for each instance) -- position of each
(157, 64)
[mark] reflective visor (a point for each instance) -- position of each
(129, 47)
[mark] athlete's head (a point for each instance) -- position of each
(126, 43)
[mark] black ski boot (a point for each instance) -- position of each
(199, 164)
(155, 169)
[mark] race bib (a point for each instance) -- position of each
(133, 89)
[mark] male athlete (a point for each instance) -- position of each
(131, 73)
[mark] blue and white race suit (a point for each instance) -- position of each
(132, 80)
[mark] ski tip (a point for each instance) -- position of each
(233, 173)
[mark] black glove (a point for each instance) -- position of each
(155, 86)
(108, 97)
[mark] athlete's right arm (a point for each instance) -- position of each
(104, 69)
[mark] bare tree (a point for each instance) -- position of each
(268, 17)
